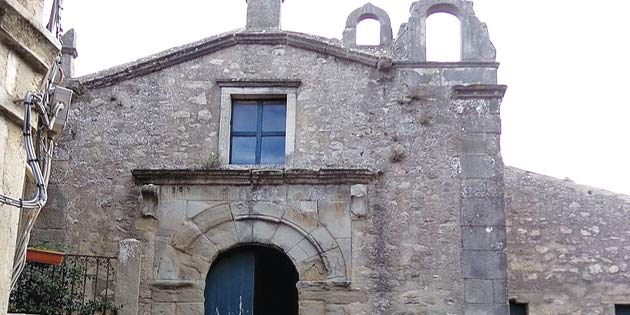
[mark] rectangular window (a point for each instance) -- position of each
(622, 309)
(518, 308)
(258, 131)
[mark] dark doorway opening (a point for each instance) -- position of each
(252, 280)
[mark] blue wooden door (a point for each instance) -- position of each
(230, 285)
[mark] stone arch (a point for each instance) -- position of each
(368, 11)
(198, 241)
(475, 45)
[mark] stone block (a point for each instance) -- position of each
(480, 166)
(240, 208)
(486, 309)
(480, 264)
(345, 245)
(263, 231)
(163, 308)
(481, 143)
(337, 264)
(306, 220)
(312, 308)
(323, 237)
(194, 207)
(297, 254)
(185, 236)
(482, 123)
(500, 291)
(286, 237)
(308, 248)
(223, 236)
(245, 231)
(203, 248)
(190, 309)
(170, 214)
(311, 269)
(269, 193)
(271, 209)
(335, 215)
(479, 291)
(484, 238)
(483, 212)
(482, 188)
(212, 217)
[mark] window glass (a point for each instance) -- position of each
(274, 117)
(258, 132)
(621, 309)
(272, 150)
(243, 150)
(245, 116)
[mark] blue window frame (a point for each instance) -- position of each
(258, 132)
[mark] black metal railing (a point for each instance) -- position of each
(81, 285)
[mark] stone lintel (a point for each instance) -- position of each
(27, 37)
(241, 177)
(479, 91)
(263, 83)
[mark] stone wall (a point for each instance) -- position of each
(349, 116)
(568, 245)
(142, 158)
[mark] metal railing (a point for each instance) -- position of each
(81, 285)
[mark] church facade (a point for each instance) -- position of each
(267, 171)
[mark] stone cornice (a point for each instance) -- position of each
(458, 64)
(213, 44)
(479, 91)
(256, 83)
(18, 30)
(254, 177)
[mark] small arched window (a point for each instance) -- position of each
(252, 280)
(369, 32)
(444, 37)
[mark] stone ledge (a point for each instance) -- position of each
(242, 177)
(258, 83)
(453, 64)
(479, 91)
(172, 284)
(33, 43)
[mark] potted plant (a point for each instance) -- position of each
(44, 256)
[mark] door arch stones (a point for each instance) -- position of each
(309, 244)
(368, 11)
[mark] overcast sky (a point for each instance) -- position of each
(566, 64)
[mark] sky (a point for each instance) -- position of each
(566, 64)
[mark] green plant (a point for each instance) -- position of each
(48, 290)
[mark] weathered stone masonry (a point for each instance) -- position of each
(393, 200)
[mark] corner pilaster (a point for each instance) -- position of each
(484, 261)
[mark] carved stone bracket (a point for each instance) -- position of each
(150, 197)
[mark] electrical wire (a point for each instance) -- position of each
(38, 160)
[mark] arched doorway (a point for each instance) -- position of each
(251, 280)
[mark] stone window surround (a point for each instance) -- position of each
(256, 89)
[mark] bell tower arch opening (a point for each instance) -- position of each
(252, 279)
